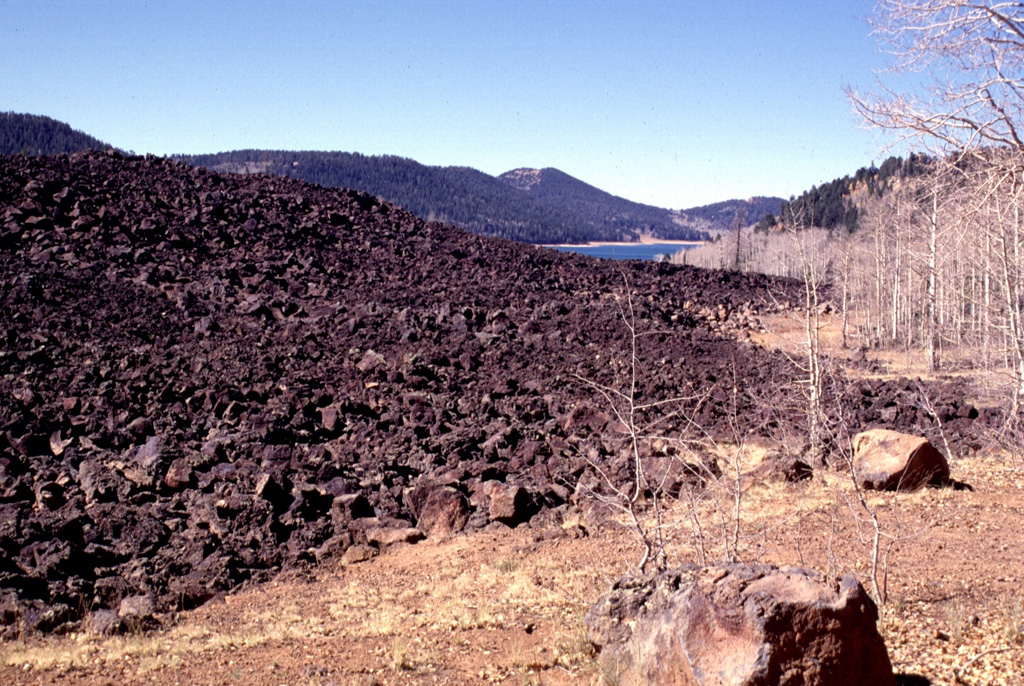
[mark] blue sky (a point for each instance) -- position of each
(674, 104)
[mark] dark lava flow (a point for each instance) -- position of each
(207, 379)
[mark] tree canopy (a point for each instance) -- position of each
(32, 134)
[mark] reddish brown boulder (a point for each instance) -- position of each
(891, 461)
(382, 537)
(179, 474)
(444, 512)
(511, 505)
(742, 625)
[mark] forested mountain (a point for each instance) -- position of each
(530, 205)
(556, 209)
(557, 187)
(33, 134)
(461, 196)
(841, 202)
(726, 214)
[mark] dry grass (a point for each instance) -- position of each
(149, 652)
(508, 607)
(786, 333)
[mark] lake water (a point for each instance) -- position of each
(628, 251)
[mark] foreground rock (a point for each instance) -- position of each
(891, 461)
(740, 625)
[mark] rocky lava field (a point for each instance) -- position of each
(209, 379)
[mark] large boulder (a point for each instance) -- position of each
(742, 625)
(508, 504)
(511, 505)
(887, 460)
(443, 512)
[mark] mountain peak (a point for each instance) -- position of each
(523, 178)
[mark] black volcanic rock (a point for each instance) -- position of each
(207, 379)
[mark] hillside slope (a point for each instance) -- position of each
(560, 209)
(554, 186)
(31, 134)
(842, 202)
(465, 197)
(723, 215)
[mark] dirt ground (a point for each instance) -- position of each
(506, 606)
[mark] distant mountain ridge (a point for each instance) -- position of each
(533, 206)
(462, 196)
(528, 205)
(553, 185)
(525, 204)
(594, 205)
(841, 203)
(723, 215)
(33, 134)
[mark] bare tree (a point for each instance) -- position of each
(814, 264)
(641, 498)
(973, 54)
(998, 209)
(969, 55)
(741, 216)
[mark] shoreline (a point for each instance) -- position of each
(598, 244)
